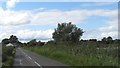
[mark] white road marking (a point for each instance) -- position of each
(29, 58)
(38, 64)
(20, 62)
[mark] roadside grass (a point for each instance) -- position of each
(78, 55)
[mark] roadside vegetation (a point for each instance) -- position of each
(69, 49)
(8, 51)
(7, 56)
(79, 54)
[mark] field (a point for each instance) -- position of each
(80, 54)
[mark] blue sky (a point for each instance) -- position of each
(96, 18)
(64, 6)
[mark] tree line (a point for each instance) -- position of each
(65, 32)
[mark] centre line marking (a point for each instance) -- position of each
(20, 62)
(38, 64)
(29, 57)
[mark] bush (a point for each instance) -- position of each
(7, 56)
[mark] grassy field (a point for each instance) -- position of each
(79, 54)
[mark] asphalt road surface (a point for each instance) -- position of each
(27, 59)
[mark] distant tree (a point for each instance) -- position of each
(117, 41)
(39, 43)
(67, 32)
(93, 40)
(107, 40)
(32, 43)
(104, 40)
(81, 40)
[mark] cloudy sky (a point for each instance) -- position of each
(37, 20)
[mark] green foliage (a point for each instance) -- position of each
(107, 40)
(7, 56)
(5, 41)
(84, 54)
(13, 39)
(32, 42)
(67, 32)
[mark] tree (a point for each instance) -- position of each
(107, 40)
(5, 41)
(93, 40)
(67, 32)
(104, 40)
(32, 43)
(13, 39)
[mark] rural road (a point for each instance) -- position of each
(24, 58)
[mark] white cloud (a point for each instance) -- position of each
(29, 34)
(11, 4)
(111, 29)
(111, 25)
(75, 16)
(10, 19)
(112, 33)
(54, 17)
(39, 9)
(14, 18)
(51, 17)
(4, 35)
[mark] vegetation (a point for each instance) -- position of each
(8, 52)
(67, 32)
(67, 48)
(7, 56)
(34, 43)
(82, 54)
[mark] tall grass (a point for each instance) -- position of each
(78, 54)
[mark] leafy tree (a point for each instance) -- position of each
(109, 40)
(5, 41)
(13, 39)
(67, 32)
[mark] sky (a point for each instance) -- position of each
(37, 20)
